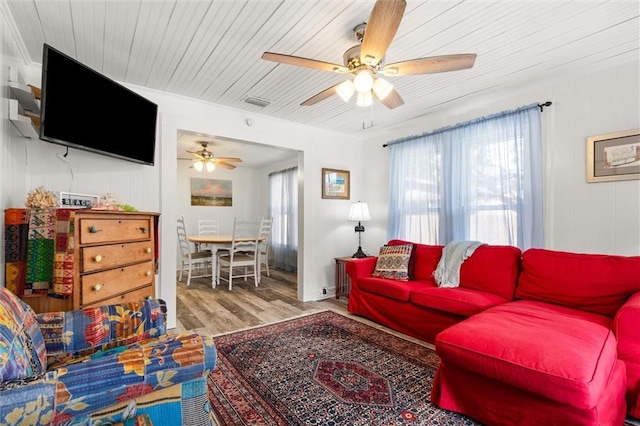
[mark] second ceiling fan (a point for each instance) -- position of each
(204, 159)
(366, 61)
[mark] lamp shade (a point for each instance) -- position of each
(345, 90)
(382, 88)
(364, 99)
(359, 212)
(363, 81)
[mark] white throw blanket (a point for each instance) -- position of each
(447, 273)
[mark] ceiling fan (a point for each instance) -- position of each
(366, 60)
(205, 159)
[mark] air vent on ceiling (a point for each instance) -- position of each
(257, 101)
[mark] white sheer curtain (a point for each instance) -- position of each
(283, 208)
(480, 180)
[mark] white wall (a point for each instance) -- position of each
(579, 216)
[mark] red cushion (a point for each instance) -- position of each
(460, 301)
(398, 290)
(592, 282)
(562, 354)
(492, 268)
(425, 261)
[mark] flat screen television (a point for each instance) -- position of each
(83, 109)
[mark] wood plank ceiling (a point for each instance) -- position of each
(210, 50)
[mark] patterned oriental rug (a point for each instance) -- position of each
(324, 369)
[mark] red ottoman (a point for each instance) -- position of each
(532, 363)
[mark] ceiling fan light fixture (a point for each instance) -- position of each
(198, 165)
(363, 81)
(382, 88)
(210, 166)
(364, 99)
(345, 90)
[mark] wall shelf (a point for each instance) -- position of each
(21, 122)
(26, 96)
(24, 108)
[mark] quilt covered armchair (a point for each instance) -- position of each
(112, 364)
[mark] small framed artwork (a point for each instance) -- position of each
(335, 184)
(211, 192)
(78, 201)
(613, 157)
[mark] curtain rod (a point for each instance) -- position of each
(546, 104)
(541, 106)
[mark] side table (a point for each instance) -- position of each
(343, 282)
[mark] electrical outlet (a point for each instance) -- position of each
(324, 290)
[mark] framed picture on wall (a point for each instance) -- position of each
(336, 184)
(613, 157)
(211, 192)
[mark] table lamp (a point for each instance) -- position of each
(359, 213)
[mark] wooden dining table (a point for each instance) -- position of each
(220, 241)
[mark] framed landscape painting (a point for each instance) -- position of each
(211, 192)
(613, 157)
(336, 184)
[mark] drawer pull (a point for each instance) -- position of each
(148, 273)
(94, 230)
(97, 287)
(97, 258)
(147, 250)
(143, 229)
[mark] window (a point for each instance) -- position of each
(480, 180)
(283, 208)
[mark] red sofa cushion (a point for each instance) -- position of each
(424, 260)
(398, 290)
(562, 354)
(592, 282)
(492, 268)
(460, 301)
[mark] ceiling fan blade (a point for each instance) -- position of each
(320, 96)
(225, 165)
(227, 159)
(304, 62)
(430, 65)
(381, 28)
(392, 100)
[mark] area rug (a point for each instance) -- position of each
(324, 369)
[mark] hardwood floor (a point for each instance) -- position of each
(219, 311)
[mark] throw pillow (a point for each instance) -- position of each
(412, 260)
(22, 349)
(393, 262)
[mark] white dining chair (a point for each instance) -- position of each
(197, 264)
(241, 260)
(263, 245)
(207, 227)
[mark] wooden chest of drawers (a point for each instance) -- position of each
(115, 255)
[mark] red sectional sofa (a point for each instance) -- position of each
(540, 337)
